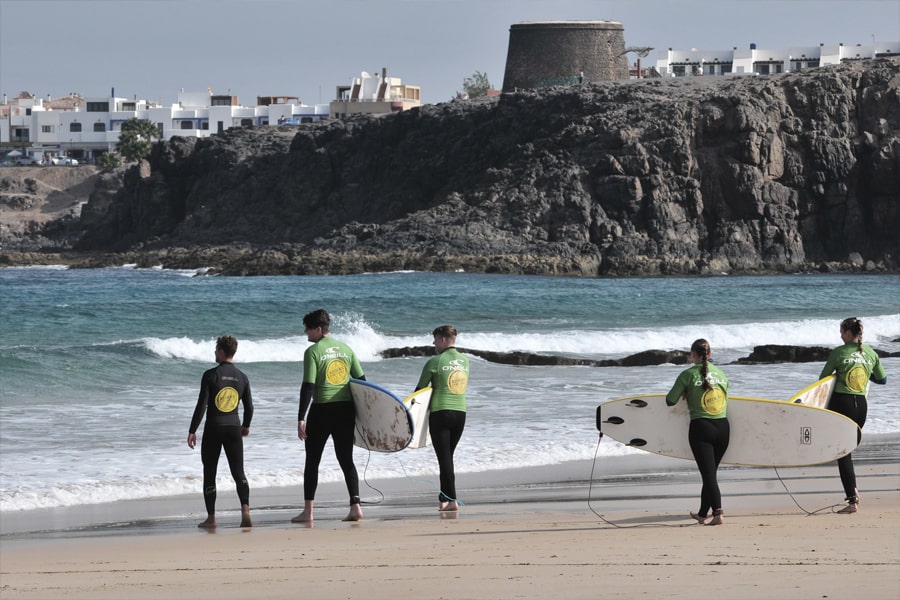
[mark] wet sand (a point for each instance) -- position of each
(612, 529)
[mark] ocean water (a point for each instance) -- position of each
(100, 369)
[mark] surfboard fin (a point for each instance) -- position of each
(615, 420)
(638, 403)
(637, 442)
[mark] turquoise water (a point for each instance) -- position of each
(100, 368)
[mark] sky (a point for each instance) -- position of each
(152, 49)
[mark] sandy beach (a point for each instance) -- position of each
(619, 529)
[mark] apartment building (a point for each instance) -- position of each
(762, 61)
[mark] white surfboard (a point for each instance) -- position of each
(417, 403)
(383, 422)
(764, 433)
(816, 394)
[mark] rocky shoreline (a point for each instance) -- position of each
(228, 261)
(789, 173)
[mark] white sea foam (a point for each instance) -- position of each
(368, 343)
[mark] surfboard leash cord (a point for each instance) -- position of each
(427, 482)
(808, 513)
(604, 519)
(407, 475)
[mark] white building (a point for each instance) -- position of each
(761, 61)
(92, 126)
(374, 94)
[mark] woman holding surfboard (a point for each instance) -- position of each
(448, 375)
(705, 389)
(854, 364)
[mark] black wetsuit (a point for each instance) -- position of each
(221, 390)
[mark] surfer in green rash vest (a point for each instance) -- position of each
(705, 388)
(448, 375)
(854, 364)
(328, 366)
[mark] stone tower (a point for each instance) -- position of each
(547, 53)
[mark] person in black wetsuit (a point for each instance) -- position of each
(221, 390)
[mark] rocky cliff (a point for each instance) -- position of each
(699, 175)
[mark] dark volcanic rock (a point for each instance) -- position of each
(779, 354)
(760, 354)
(776, 354)
(649, 357)
(784, 173)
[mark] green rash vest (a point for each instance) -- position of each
(853, 368)
(329, 364)
(702, 403)
(448, 375)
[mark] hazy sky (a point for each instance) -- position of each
(153, 48)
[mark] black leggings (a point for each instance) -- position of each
(446, 428)
(709, 441)
(214, 439)
(856, 408)
(335, 419)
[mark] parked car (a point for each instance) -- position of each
(64, 160)
(27, 161)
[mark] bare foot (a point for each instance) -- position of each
(699, 518)
(209, 523)
(355, 513)
(304, 517)
(450, 506)
(245, 517)
(718, 518)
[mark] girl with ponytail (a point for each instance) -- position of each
(705, 389)
(854, 364)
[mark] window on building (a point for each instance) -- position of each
(46, 129)
(204, 125)
(97, 107)
(678, 70)
(187, 125)
(99, 126)
(246, 122)
(75, 127)
(129, 106)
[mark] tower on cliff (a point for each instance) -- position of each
(547, 53)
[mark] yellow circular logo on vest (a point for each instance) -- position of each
(457, 382)
(857, 378)
(713, 401)
(227, 399)
(337, 372)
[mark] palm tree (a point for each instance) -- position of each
(136, 139)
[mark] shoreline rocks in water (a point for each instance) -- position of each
(767, 354)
